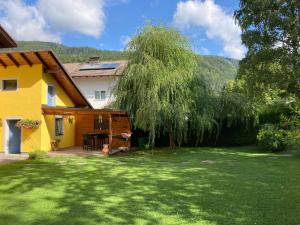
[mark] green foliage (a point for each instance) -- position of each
(211, 109)
(72, 54)
(155, 90)
(297, 140)
(292, 123)
(38, 154)
(273, 137)
(270, 31)
(217, 70)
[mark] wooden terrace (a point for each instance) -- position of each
(111, 123)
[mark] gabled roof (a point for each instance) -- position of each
(74, 69)
(51, 65)
(6, 40)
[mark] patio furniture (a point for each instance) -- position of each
(101, 140)
(94, 141)
(87, 142)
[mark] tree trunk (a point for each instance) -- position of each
(171, 138)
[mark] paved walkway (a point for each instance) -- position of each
(78, 151)
(10, 158)
(74, 151)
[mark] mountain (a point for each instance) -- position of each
(217, 69)
(72, 54)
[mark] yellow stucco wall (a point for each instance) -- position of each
(26, 103)
(48, 121)
(62, 99)
(48, 132)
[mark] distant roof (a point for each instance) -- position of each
(52, 66)
(6, 40)
(96, 69)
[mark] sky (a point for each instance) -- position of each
(109, 24)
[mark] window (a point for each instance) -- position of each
(9, 85)
(100, 95)
(97, 95)
(101, 122)
(103, 95)
(51, 96)
(59, 126)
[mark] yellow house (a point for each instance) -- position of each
(41, 106)
(30, 81)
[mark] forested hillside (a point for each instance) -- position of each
(217, 69)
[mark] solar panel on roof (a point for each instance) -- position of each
(99, 66)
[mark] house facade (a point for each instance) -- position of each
(41, 105)
(97, 80)
(26, 87)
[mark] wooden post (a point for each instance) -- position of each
(110, 132)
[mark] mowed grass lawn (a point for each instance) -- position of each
(183, 186)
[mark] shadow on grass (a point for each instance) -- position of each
(173, 187)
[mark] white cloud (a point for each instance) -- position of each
(125, 40)
(47, 20)
(217, 24)
(83, 16)
(25, 22)
(204, 51)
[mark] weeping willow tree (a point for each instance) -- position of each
(211, 109)
(155, 89)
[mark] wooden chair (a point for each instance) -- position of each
(87, 142)
(101, 140)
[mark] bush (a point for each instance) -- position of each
(272, 137)
(297, 141)
(38, 154)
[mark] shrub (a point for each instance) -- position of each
(297, 141)
(38, 154)
(272, 137)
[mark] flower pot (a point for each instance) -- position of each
(105, 150)
(54, 145)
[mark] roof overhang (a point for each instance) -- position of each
(75, 69)
(6, 40)
(51, 65)
(56, 110)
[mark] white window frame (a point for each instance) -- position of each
(97, 99)
(63, 126)
(6, 133)
(101, 99)
(53, 86)
(4, 79)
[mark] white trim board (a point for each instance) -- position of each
(6, 134)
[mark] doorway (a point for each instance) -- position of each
(13, 135)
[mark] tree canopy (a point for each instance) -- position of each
(271, 32)
(165, 91)
(155, 90)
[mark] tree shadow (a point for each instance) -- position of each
(174, 188)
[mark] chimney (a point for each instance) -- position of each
(95, 59)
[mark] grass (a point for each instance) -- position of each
(184, 186)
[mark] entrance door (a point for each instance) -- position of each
(14, 137)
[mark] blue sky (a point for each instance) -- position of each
(108, 24)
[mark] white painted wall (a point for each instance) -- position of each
(88, 86)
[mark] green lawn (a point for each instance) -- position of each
(231, 186)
